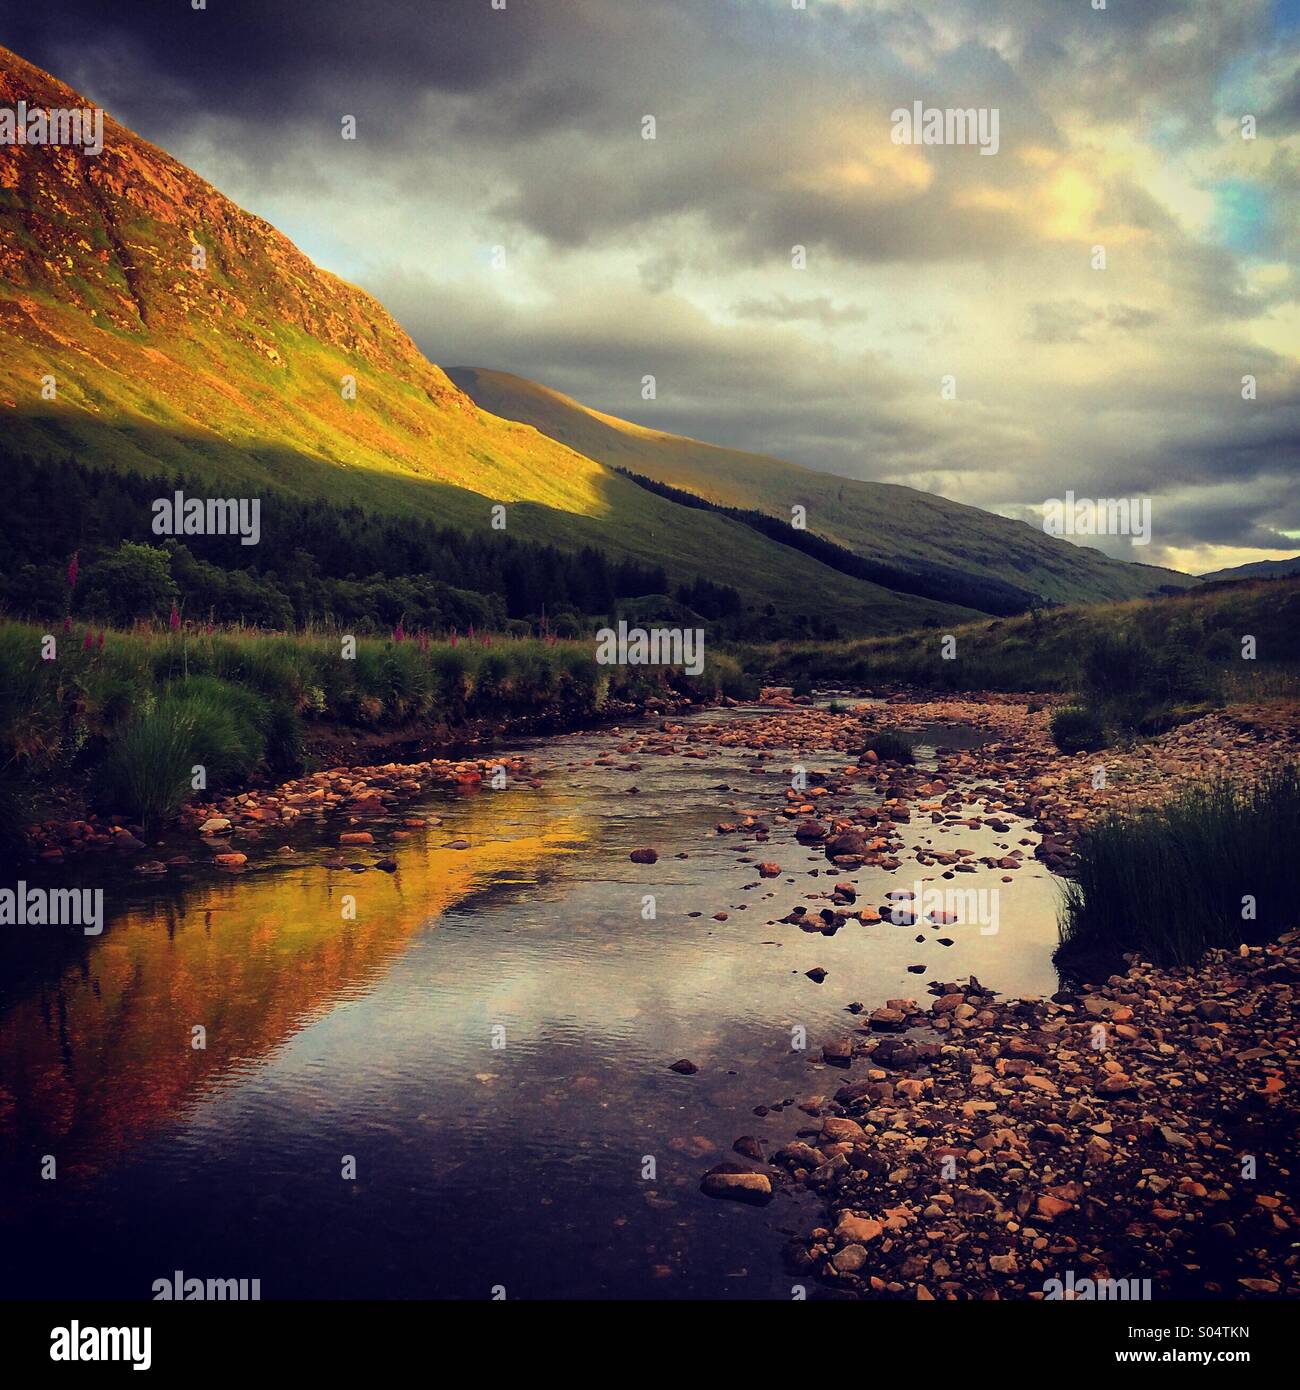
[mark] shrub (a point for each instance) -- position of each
(129, 582)
(1077, 729)
(732, 680)
(1136, 682)
(1115, 668)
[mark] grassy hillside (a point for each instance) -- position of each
(177, 331)
(880, 521)
(1043, 651)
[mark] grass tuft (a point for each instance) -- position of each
(1214, 867)
(891, 747)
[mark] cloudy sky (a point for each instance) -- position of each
(522, 128)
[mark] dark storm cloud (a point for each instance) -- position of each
(1258, 522)
(548, 100)
(269, 59)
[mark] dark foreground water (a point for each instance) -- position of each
(488, 1041)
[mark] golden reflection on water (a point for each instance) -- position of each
(94, 1060)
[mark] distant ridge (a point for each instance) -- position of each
(898, 528)
(1259, 569)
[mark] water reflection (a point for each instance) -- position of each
(91, 1060)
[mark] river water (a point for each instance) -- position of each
(488, 1042)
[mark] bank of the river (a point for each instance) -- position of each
(414, 760)
(119, 721)
(1141, 1129)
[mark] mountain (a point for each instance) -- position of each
(895, 526)
(232, 371)
(149, 324)
(1260, 569)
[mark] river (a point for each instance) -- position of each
(488, 1041)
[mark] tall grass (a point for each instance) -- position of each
(199, 722)
(1215, 866)
(148, 768)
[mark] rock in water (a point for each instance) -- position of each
(730, 1180)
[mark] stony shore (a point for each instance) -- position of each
(395, 761)
(230, 831)
(1017, 771)
(1144, 1128)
